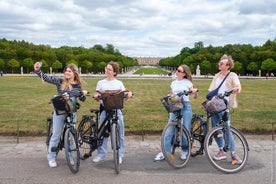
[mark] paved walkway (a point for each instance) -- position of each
(25, 162)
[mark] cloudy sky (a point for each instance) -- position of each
(150, 28)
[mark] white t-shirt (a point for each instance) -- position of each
(181, 85)
(105, 84)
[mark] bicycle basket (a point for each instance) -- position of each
(63, 105)
(113, 100)
(171, 106)
(215, 105)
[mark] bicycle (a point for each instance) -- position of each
(91, 133)
(203, 139)
(175, 137)
(68, 139)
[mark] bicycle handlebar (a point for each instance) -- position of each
(112, 92)
(186, 93)
(226, 94)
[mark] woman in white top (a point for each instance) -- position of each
(183, 82)
(111, 83)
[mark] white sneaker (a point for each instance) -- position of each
(184, 155)
(159, 157)
(72, 162)
(52, 163)
(97, 159)
(120, 160)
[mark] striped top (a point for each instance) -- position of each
(76, 88)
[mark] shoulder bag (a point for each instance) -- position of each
(214, 92)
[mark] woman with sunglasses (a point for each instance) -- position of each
(232, 82)
(183, 81)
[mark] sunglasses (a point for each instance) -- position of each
(179, 71)
(222, 63)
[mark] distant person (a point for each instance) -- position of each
(71, 84)
(267, 75)
(1, 73)
(182, 82)
(232, 82)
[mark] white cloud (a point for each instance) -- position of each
(138, 27)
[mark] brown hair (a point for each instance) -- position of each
(115, 67)
(77, 79)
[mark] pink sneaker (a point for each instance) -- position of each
(221, 155)
(236, 157)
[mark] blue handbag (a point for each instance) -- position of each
(214, 92)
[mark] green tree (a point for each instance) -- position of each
(268, 65)
(13, 63)
(57, 65)
(101, 66)
(253, 67)
(86, 65)
(72, 61)
(2, 64)
(237, 67)
(205, 67)
(27, 63)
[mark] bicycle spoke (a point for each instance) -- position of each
(175, 146)
(71, 150)
(226, 163)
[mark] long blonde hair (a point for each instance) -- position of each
(66, 84)
(187, 70)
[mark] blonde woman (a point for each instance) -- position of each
(232, 82)
(71, 84)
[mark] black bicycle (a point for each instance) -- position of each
(68, 139)
(91, 133)
(204, 141)
(175, 139)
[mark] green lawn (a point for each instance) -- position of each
(24, 104)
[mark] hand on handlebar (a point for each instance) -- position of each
(83, 94)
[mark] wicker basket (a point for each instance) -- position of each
(171, 106)
(113, 100)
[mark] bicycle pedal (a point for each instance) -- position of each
(85, 156)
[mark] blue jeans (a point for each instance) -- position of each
(102, 150)
(58, 124)
(220, 141)
(187, 115)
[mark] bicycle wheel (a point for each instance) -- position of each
(175, 146)
(211, 148)
(115, 144)
(49, 124)
(85, 134)
(197, 136)
(72, 150)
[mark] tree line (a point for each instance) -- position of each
(17, 54)
(248, 59)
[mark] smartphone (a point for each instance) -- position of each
(39, 64)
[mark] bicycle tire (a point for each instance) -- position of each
(197, 136)
(115, 145)
(226, 165)
(49, 133)
(174, 150)
(72, 150)
(86, 132)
